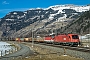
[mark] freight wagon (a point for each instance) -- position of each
(40, 39)
(26, 39)
(17, 39)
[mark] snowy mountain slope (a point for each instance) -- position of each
(70, 6)
(40, 19)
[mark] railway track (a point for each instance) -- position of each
(80, 52)
(82, 49)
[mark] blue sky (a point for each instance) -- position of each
(7, 6)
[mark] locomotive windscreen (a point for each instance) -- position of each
(53, 35)
(75, 37)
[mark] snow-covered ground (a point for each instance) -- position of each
(85, 39)
(5, 46)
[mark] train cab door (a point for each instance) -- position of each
(52, 36)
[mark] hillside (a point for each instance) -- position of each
(41, 21)
(80, 26)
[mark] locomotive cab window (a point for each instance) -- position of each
(75, 37)
(53, 35)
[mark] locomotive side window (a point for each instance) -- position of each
(75, 37)
(69, 36)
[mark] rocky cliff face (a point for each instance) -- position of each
(22, 23)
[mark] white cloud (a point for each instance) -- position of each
(5, 2)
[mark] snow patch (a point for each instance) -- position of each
(86, 46)
(25, 12)
(9, 19)
(64, 55)
(68, 6)
(14, 13)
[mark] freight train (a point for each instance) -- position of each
(62, 39)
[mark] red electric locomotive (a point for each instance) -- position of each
(48, 39)
(67, 39)
(64, 39)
